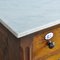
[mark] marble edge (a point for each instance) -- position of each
(38, 28)
(19, 35)
(9, 28)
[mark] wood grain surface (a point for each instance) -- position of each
(30, 47)
(3, 43)
(40, 49)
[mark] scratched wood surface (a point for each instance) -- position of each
(40, 49)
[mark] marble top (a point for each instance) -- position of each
(23, 17)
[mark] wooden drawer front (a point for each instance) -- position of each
(40, 49)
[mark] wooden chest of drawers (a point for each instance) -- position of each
(30, 47)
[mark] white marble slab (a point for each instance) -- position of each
(23, 17)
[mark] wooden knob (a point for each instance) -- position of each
(51, 44)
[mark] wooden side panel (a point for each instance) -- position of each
(9, 45)
(3, 43)
(13, 47)
(40, 49)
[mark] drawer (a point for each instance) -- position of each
(40, 50)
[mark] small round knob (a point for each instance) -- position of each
(51, 44)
